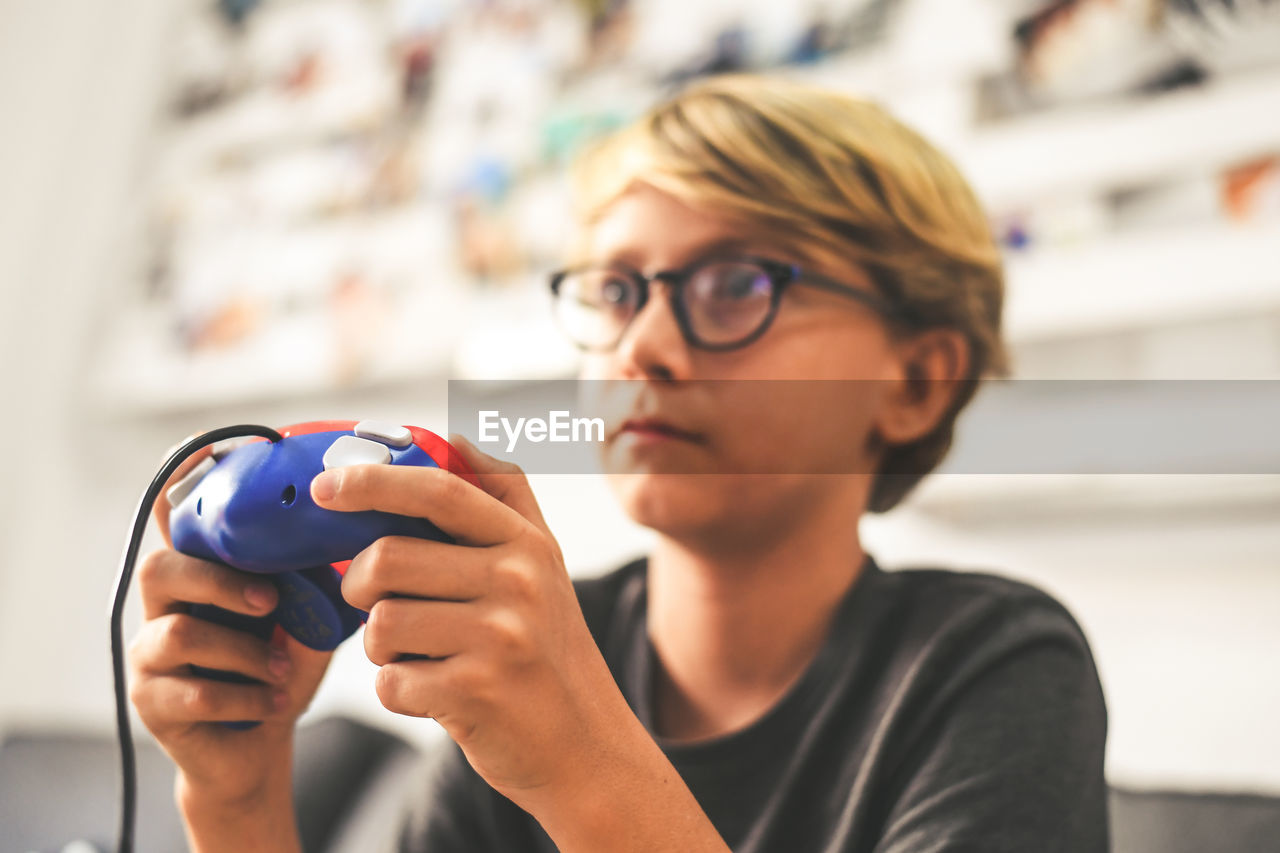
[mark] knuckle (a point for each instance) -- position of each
(509, 468)
(376, 647)
(178, 631)
(468, 683)
(355, 479)
(139, 691)
(389, 685)
(201, 698)
(448, 486)
(509, 634)
(353, 586)
(152, 568)
(138, 650)
(516, 581)
(381, 554)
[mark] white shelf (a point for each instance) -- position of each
(1081, 151)
(1144, 280)
(144, 371)
(1018, 499)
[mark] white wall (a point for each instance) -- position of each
(1180, 607)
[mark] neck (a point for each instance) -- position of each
(735, 624)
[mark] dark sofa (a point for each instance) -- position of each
(58, 788)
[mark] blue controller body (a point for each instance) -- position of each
(251, 509)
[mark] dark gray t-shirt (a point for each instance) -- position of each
(945, 711)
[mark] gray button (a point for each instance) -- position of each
(178, 491)
(387, 433)
(350, 450)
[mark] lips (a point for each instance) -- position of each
(656, 428)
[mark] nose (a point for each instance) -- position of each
(652, 347)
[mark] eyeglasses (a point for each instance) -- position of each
(719, 303)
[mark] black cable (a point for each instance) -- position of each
(128, 768)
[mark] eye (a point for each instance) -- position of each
(731, 283)
(743, 283)
(613, 291)
(288, 496)
(199, 506)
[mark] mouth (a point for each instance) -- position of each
(655, 429)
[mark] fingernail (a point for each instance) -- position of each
(279, 700)
(325, 485)
(278, 664)
(260, 595)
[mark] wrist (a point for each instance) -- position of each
(629, 799)
(240, 818)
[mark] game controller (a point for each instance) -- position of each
(250, 507)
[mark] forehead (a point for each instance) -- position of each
(646, 226)
(649, 229)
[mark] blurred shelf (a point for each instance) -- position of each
(1082, 151)
(1143, 280)
(513, 337)
(1018, 499)
(144, 371)
(270, 119)
(447, 331)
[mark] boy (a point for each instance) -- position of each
(757, 683)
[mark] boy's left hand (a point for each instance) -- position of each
(515, 677)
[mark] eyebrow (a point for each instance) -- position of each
(722, 246)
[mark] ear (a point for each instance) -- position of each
(930, 363)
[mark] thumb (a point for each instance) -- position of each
(505, 481)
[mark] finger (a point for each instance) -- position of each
(184, 699)
(506, 481)
(421, 688)
(419, 568)
(166, 645)
(449, 502)
(162, 509)
(170, 580)
(398, 627)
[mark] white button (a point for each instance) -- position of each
(387, 433)
(178, 491)
(349, 450)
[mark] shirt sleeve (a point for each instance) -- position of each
(1008, 755)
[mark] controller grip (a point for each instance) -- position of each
(311, 610)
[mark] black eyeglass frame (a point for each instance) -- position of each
(781, 275)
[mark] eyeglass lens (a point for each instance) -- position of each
(724, 302)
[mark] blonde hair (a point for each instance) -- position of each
(821, 168)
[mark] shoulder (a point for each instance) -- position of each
(939, 605)
(942, 633)
(975, 634)
(999, 724)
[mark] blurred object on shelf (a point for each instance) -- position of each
(228, 324)
(1068, 223)
(236, 12)
(1226, 36)
(727, 53)
(359, 314)
(1252, 191)
(1082, 49)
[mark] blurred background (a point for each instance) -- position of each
(284, 210)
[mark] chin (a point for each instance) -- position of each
(691, 506)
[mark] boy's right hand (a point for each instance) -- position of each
(217, 765)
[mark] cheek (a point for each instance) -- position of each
(593, 366)
(798, 427)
